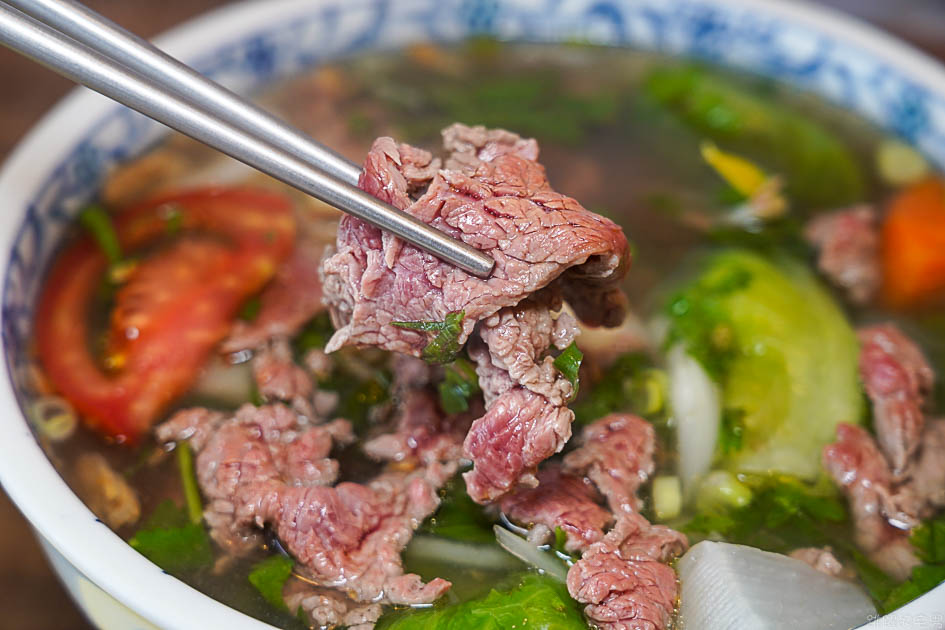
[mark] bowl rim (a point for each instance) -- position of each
(43, 496)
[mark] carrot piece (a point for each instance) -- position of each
(913, 245)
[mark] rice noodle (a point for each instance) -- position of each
(530, 554)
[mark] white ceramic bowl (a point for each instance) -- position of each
(59, 165)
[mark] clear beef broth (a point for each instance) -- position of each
(603, 140)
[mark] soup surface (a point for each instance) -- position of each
(778, 351)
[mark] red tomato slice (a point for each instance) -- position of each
(175, 307)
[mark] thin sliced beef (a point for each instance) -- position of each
(525, 395)
(848, 245)
(350, 536)
(422, 434)
(622, 595)
(520, 430)
(256, 445)
(468, 146)
(820, 558)
(518, 339)
(291, 298)
(499, 202)
(494, 196)
(278, 377)
(268, 466)
(928, 473)
(329, 608)
(560, 500)
(623, 578)
(897, 378)
(634, 538)
(195, 425)
(616, 453)
(881, 516)
(409, 372)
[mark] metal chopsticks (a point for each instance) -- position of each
(104, 57)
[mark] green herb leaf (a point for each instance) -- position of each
(269, 576)
(96, 220)
(536, 602)
(785, 514)
(878, 584)
(188, 476)
(698, 318)
(459, 384)
(250, 309)
(172, 542)
(569, 364)
(731, 431)
(561, 538)
(459, 517)
(924, 578)
(928, 539)
(444, 346)
(541, 104)
(166, 515)
(820, 170)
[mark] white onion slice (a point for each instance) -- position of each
(696, 410)
(225, 383)
(732, 586)
(472, 555)
(530, 554)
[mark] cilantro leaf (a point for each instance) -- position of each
(269, 576)
(445, 345)
(459, 384)
(174, 538)
(924, 578)
(569, 364)
(928, 539)
(172, 542)
(536, 602)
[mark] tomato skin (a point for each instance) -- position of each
(913, 245)
(233, 241)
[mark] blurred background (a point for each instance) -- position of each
(30, 597)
